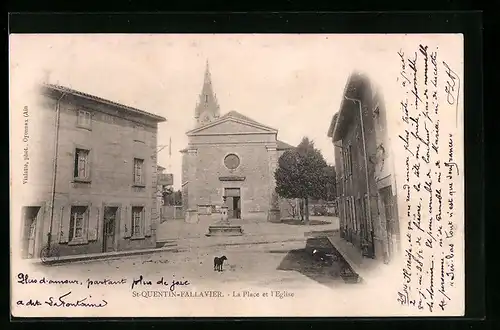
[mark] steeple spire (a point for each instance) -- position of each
(208, 78)
(207, 108)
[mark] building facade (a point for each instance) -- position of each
(95, 187)
(230, 156)
(366, 189)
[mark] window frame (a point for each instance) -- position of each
(139, 133)
(142, 219)
(76, 164)
(83, 239)
(86, 123)
(141, 182)
(228, 155)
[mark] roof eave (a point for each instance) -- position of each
(65, 90)
(354, 79)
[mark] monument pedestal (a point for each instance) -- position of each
(191, 216)
(223, 227)
(274, 215)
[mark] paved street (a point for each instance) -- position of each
(280, 259)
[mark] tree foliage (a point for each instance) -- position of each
(171, 197)
(303, 173)
(330, 178)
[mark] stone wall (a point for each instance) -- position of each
(113, 142)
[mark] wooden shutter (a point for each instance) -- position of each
(64, 216)
(89, 164)
(148, 221)
(86, 221)
(126, 222)
(24, 212)
(93, 224)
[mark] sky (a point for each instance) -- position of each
(293, 83)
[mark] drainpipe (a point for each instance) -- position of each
(54, 176)
(365, 157)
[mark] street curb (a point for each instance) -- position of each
(299, 239)
(352, 264)
(102, 256)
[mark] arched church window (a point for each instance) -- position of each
(206, 98)
(232, 161)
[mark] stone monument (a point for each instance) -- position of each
(223, 227)
(274, 214)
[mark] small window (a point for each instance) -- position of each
(79, 218)
(138, 171)
(81, 166)
(84, 119)
(137, 220)
(206, 98)
(139, 133)
(232, 161)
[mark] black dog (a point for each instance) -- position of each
(218, 262)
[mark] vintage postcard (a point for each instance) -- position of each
(236, 175)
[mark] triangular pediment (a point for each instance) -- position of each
(232, 124)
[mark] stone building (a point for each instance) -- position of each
(366, 190)
(94, 188)
(230, 156)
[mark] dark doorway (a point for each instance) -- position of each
(236, 207)
(29, 221)
(109, 228)
(233, 200)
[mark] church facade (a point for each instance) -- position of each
(232, 157)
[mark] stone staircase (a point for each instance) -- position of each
(165, 243)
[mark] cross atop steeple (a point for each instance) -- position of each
(207, 108)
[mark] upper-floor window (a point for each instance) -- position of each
(139, 133)
(232, 161)
(347, 160)
(84, 119)
(138, 171)
(81, 164)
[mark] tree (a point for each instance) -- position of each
(330, 183)
(301, 174)
(171, 197)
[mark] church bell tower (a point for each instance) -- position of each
(207, 108)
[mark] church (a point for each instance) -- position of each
(230, 157)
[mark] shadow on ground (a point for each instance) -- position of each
(298, 222)
(326, 273)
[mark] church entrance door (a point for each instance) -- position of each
(233, 199)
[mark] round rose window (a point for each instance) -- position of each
(232, 161)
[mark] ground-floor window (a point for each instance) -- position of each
(137, 221)
(78, 221)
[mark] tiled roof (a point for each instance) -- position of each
(332, 125)
(68, 90)
(236, 114)
(284, 146)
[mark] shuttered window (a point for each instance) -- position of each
(81, 164)
(137, 221)
(78, 221)
(84, 119)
